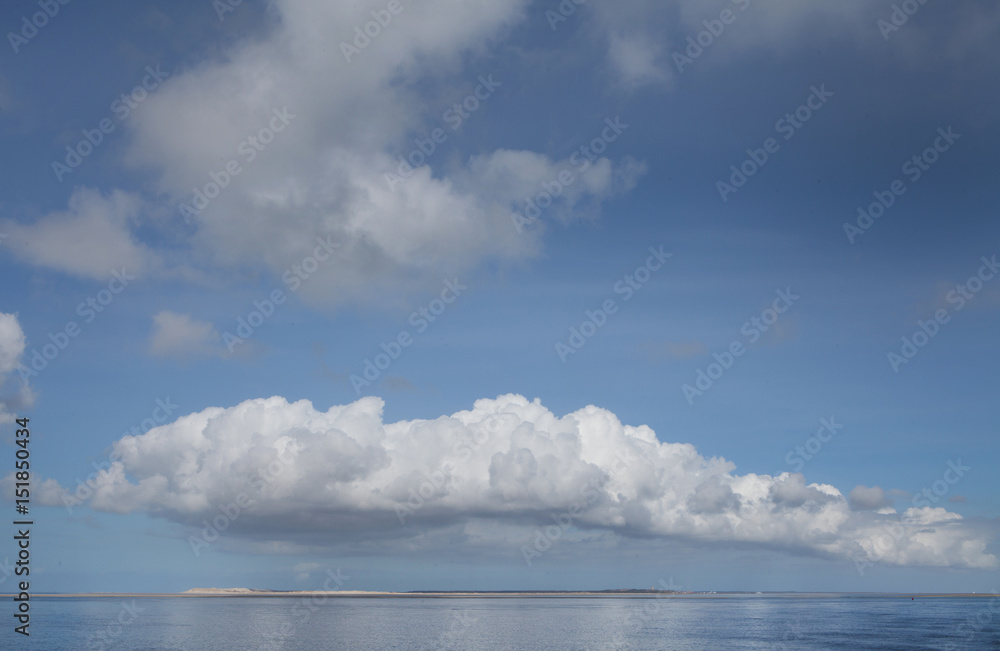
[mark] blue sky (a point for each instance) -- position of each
(759, 496)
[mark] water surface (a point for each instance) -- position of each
(314, 623)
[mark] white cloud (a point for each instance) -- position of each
(90, 239)
(180, 335)
(637, 61)
(863, 498)
(12, 345)
(46, 493)
(323, 175)
(642, 35)
(486, 476)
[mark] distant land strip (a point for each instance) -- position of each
(517, 594)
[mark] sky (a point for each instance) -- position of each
(507, 295)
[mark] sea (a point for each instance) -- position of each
(768, 621)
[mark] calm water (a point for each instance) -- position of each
(739, 622)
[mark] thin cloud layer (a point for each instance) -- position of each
(181, 335)
(322, 478)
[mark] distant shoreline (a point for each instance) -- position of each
(533, 594)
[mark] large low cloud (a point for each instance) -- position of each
(487, 475)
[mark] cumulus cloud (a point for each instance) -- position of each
(313, 137)
(346, 123)
(91, 238)
(344, 126)
(46, 493)
(181, 335)
(487, 476)
(12, 344)
(324, 174)
(637, 61)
